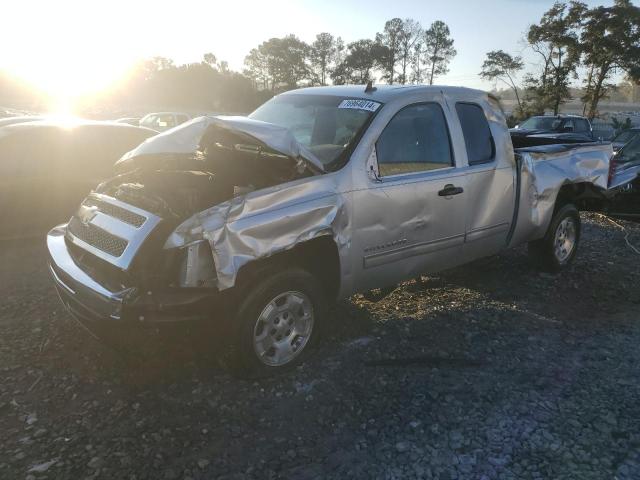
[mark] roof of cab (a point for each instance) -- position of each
(382, 93)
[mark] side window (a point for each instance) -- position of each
(582, 126)
(415, 140)
(477, 134)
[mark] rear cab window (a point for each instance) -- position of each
(415, 140)
(478, 140)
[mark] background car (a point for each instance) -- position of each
(162, 121)
(565, 127)
(21, 119)
(46, 168)
(129, 120)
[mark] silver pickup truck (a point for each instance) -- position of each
(253, 225)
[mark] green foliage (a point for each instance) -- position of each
(499, 65)
(388, 48)
(610, 42)
(411, 37)
(358, 63)
(438, 49)
(620, 126)
(279, 63)
(197, 86)
(323, 52)
(556, 39)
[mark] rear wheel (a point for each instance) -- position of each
(277, 323)
(559, 246)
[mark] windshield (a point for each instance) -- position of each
(625, 136)
(327, 125)
(541, 123)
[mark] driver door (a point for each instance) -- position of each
(411, 218)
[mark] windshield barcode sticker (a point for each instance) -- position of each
(360, 105)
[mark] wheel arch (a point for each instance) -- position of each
(319, 256)
(584, 195)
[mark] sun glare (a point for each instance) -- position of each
(66, 80)
(73, 50)
(77, 50)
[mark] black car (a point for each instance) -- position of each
(47, 168)
(571, 128)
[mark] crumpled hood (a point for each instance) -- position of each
(186, 138)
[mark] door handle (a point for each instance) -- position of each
(450, 190)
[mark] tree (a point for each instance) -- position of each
(257, 68)
(610, 42)
(283, 61)
(556, 40)
(358, 63)
(388, 48)
(438, 49)
(322, 53)
(499, 65)
(210, 58)
(410, 37)
(416, 62)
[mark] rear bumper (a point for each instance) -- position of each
(103, 311)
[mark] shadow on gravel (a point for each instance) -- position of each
(174, 356)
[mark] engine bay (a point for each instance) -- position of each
(227, 164)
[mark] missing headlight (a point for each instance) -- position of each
(197, 268)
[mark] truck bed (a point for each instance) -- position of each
(544, 170)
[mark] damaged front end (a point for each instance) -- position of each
(160, 241)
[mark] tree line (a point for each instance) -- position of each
(602, 41)
(573, 43)
(403, 52)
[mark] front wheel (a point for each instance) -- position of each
(559, 246)
(277, 323)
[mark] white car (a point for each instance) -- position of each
(161, 121)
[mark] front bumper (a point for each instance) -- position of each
(102, 311)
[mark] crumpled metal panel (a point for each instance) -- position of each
(544, 171)
(266, 222)
(185, 138)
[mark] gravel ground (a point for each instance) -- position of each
(488, 371)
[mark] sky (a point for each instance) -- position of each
(72, 47)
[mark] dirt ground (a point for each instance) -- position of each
(493, 370)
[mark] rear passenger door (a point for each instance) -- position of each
(411, 219)
(490, 183)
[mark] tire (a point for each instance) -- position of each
(557, 249)
(264, 336)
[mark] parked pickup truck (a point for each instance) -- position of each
(568, 128)
(254, 224)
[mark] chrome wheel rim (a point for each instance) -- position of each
(283, 328)
(565, 239)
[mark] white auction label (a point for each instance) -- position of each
(360, 105)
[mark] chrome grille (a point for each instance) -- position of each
(120, 213)
(110, 229)
(97, 237)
